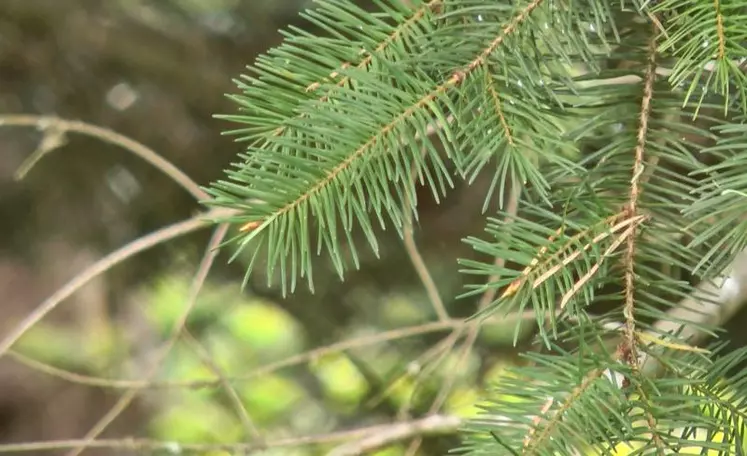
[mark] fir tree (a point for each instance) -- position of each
(620, 122)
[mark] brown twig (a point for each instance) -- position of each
(431, 425)
(55, 130)
(413, 253)
(104, 264)
(143, 445)
(60, 126)
(415, 370)
(409, 237)
(473, 328)
(250, 429)
(486, 299)
(129, 395)
(395, 334)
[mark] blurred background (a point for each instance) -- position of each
(157, 71)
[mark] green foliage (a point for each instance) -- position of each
(623, 124)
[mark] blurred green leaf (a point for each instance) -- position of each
(65, 348)
(340, 378)
(401, 310)
(463, 402)
(265, 328)
(166, 301)
(195, 419)
(268, 398)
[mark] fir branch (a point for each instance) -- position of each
(548, 271)
(396, 33)
(707, 32)
(712, 304)
(632, 208)
(630, 347)
(417, 14)
(583, 280)
(534, 440)
(305, 192)
(499, 112)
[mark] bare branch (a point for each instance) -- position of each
(133, 248)
(418, 263)
(55, 128)
(250, 429)
(197, 283)
(432, 425)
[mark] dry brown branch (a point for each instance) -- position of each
(422, 270)
(394, 334)
(196, 286)
(431, 425)
(418, 368)
(411, 246)
(438, 424)
(54, 136)
(250, 429)
(104, 264)
(417, 260)
(55, 128)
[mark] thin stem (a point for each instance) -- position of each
(197, 284)
(422, 270)
(394, 334)
(104, 264)
(250, 429)
(474, 326)
(431, 425)
(60, 127)
(630, 344)
(441, 424)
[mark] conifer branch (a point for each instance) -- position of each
(543, 426)
(632, 208)
(630, 348)
(550, 265)
(363, 64)
(416, 15)
(721, 54)
(497, 105)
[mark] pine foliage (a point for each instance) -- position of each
(624, 124)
